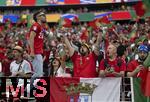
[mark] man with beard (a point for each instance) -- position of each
(37, 32)
(112, 66)
(20, 67)
(84, 61)
(135, 67)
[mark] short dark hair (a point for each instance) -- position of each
(121, 50)
(35, 15)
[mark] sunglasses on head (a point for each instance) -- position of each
(41, 14)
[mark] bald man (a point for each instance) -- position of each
(112, 66)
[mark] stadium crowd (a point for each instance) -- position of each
(63, 54)
(82, 49)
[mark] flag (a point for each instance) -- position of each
(86, 16)
(132, 35)
(133, 14)
(146, 84)
(137, 92)
(120, 15)
(72, 1)
(85, 89)
(140, 39)
(28, 2)
(84, 35)
(72, 17)
(139, 8)
(94, 24)
(147, 4)
(29, 21)
(147, 61)
(104, 20)
(65, 22)
(87, 1)
(12, 18)
(100, 15)
(76, 19)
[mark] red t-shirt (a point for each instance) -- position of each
(133, 65)
(113, 64)
(38, 40)
(84, 66)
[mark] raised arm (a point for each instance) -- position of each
(70, 48)
(48, 35)
(97, 44)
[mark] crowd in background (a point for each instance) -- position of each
(58, 10)
(117, 49)
(127, 37)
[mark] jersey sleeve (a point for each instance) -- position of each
(130, 67)
(34, 28)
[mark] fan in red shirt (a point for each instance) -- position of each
(84, 61)
(112, 66)
(36, 35)
(135, 67)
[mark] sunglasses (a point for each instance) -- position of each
(41, 14)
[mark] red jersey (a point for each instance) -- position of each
(84, 66)
(133, 65)
(38, 40)
(113, 64)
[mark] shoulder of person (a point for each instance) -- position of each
(26, 62)
(35, 26)
(13, 62)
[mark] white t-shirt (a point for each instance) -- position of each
(61, 73)
(25, 67)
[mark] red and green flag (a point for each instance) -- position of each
(65, 22)
(104, 20)
(132, 35)
(94, 24)
(139, 9)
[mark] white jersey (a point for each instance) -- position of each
(24, 67)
